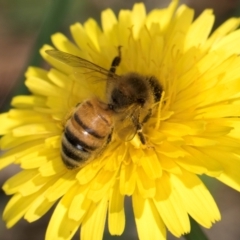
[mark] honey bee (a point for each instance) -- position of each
(129, 103)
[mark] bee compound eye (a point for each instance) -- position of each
(117, 97)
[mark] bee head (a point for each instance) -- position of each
(132, 89)
(119, 100)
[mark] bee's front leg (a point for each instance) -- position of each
(139, 131)
(115, 63)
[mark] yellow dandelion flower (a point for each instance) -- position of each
(194, 129)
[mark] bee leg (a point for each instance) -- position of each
(146, 118)
(139, 126)
(139, 130)
(141, 136)
(115, 63)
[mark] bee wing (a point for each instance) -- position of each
(126, 127)
(127, 133)
(79, 63)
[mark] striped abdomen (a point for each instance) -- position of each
(86, 133)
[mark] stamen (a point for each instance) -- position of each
(157, 126)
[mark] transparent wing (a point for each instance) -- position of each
(126, 127)
(79, 64)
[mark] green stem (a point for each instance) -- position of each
(196, 232)
(55, 14)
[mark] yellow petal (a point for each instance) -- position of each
(14, 154)
(93, 224)
(86, 174)
(169, 164)
(145, 212)
(146, 186)
(41, 87)
(199, 30)
(61, 186)
(124, 24)
(198, 162)
(151, 164)
(38, 208)
(54, 166)
(162, 16)
(31, 161)
(40, 205)
(229, 43)
(128, 179)
(83, 42)
(138, 18)
(55, 63)
(108, 20)
(62, 43)
(228, 26)
(61, 227)
(16, 208)
(28, 101)
(230, 166)
(93, 31)
(8, 141)
(32, 129)
(196, 198)
(219, 111)
(116, 214)
(171, 150)
(171, 207)
(36, 72)
(80, 204)
(6, 123)
(12, 184)
(101, 185)
(200, 141)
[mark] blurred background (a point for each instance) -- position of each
(21, 24)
